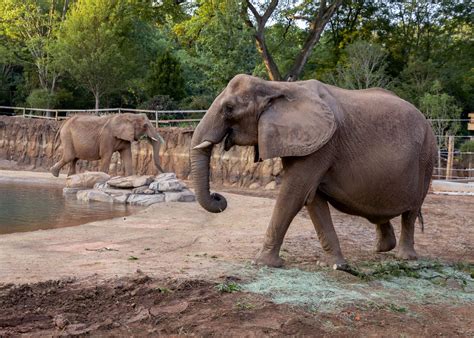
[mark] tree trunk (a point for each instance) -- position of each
(317, 24)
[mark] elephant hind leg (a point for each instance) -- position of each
(386, 239)
(406, 247)
(56, 168)
(72, 167)
(318, 210)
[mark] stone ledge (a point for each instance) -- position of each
(147, 190)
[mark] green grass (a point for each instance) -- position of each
(228, 287)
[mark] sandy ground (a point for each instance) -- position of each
(175, 243)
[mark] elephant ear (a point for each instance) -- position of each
(123, 128)
(294, 127)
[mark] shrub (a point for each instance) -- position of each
(41, 98)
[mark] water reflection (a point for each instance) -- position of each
(27, 208)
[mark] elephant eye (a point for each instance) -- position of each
(228, 110)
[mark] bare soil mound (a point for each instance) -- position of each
(140, 305)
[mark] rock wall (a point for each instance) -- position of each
(30, 144)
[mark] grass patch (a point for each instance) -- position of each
(228, 287)
(390, 284)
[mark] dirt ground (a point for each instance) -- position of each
(166, 270)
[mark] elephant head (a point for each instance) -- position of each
(133, 127)
(279, 118)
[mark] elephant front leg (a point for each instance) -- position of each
(289, 202)
(105, 163)
(318, 210)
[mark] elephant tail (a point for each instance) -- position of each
(420, 219)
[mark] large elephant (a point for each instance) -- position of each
(85, 137)
(365, 152)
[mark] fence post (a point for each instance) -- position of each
(449, 165)
(156, 119)
(56, 112)
(24, 112)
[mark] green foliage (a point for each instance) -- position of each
(159, 102)
(228, 287)
(441, 106)
(127, 52)
(217, 46)
(166, 78)
(364, 66)
(467, 146)
(41, 98)
(95, 46)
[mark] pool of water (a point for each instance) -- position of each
(27, 208)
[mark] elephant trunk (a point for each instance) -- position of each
(155, 139)
(200, 160)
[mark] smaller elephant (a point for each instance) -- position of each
(93, 138)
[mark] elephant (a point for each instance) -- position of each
(97, 138)
(366, 152)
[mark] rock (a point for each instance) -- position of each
(271, 186)
(165, 177)
(118, 195)
(122, 199)
(145, 200)
(101, 186)
(180, 196)
(71, 191)
(94, 195)
(86, 180)
(169, 185)
(133, 181)
(60, 321)
(143, 190)
(254, 185)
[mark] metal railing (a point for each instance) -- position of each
(160, 118)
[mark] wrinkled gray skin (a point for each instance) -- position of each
(365, 152)
(93, 138)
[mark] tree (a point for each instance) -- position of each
(95, 47)
(166, 78)
(364, 68)
(31, 25)
(216, 45)
(315, 16)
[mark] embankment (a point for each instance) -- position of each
(30, 145)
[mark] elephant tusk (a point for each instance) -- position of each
(154, 139)
(205, 144)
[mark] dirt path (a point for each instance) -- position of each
(156, 272)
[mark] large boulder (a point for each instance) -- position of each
(179, 196)
(86, 180)
(145, 200)
(94, 195)
(170, 185)
(128, 182)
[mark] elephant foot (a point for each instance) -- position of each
(406, 253)
(332, 261)
(386, 244)
(268, 259)
(54, 171)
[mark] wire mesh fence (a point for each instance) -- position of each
(455, 160)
